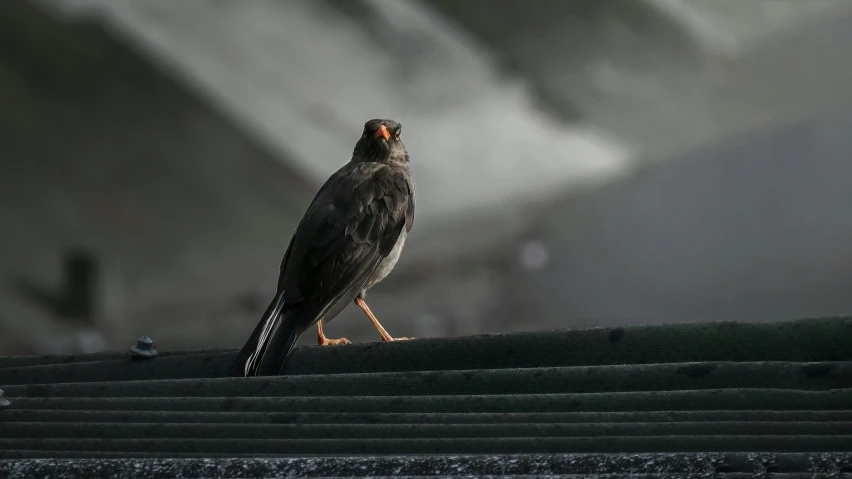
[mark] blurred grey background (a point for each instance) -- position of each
(578, 163)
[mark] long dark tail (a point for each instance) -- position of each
(270, 343)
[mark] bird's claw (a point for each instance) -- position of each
(333, 342)
(398, 339)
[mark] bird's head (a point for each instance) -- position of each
(381, 141)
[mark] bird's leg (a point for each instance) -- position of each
(323, 341)
(385, 336)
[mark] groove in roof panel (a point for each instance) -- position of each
(503, 445)
(709, 399)
(224, 431)
(623, 417)
(615, 378)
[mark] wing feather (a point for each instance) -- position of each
(352, 224)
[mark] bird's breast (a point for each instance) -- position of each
(387, 264)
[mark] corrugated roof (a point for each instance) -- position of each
(716, 391)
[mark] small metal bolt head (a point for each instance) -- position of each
(144, 348)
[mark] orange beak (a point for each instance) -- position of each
(383, 132)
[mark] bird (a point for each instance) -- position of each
(349, 239)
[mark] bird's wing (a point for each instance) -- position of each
(352, 224)
(409, 206)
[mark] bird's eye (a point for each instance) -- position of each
(396, 136)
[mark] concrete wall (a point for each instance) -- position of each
(664, 76)
(140, 154)
(757, 229)
(101, 150)
(749, 226)
(304, 76)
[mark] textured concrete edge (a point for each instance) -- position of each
(685, 463)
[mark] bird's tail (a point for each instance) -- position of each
(270, 343)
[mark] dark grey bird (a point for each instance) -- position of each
(349, 239)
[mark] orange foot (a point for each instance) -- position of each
(323, 341)
(396, 339)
